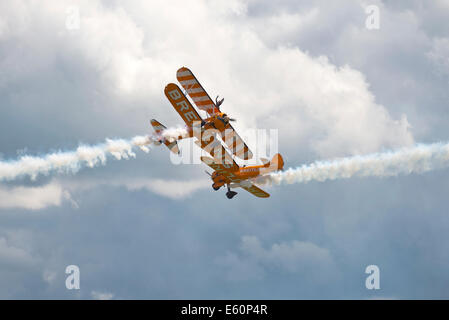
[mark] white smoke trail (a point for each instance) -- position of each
(72, 161)
(174, 133)
(418, 159)
(84, 155)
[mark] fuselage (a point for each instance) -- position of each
(245, 173)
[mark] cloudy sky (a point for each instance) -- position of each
(75, 72)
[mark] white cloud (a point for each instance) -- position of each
(33, 198)
(102, 295)
(137, 47)
(284, 26)
(168, 188)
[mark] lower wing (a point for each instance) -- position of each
(226, 170)
(255, 191)
(237, 146)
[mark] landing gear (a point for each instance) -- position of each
(230, 194)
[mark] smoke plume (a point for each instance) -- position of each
(72, 161)
(418, 159)
(83, 156)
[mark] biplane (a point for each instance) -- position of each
(226, 171)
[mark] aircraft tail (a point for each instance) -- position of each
(158, 127)
(277, 163)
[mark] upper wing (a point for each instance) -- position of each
(203, 101)
(181, 104)
(256, 191)
(196, 91)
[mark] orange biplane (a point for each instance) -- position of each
(226, 170)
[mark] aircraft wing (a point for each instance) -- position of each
(237, 146)
(181, 104)
(203, 101)
(190, 115)
(228, 173)
(226, 170)
(196, 91)
(255, 191)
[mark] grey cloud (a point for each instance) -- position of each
(302, 258)
(59, 88)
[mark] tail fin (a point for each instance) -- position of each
(277, 163)
(159, 128)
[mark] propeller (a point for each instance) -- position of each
(227, 119)
(208, 173)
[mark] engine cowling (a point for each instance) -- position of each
(218, 180)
